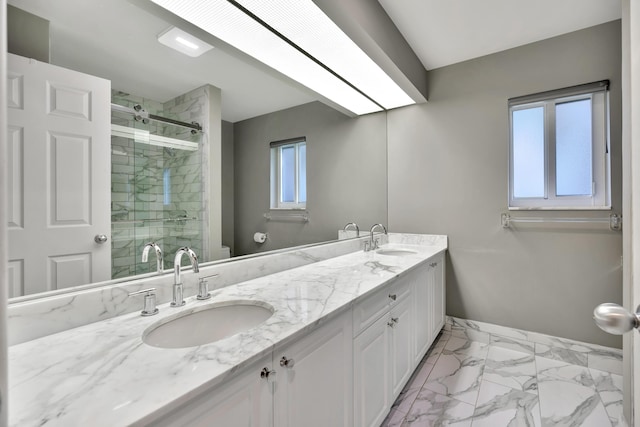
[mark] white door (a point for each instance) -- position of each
(59, 177)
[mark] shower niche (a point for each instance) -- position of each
(157, 179)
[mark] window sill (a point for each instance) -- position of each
(561, 208)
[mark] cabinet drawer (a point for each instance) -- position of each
(400, 289)
(367, 311)
(371, 308)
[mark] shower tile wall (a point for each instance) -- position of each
(155, 190)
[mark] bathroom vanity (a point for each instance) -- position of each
(340, 341)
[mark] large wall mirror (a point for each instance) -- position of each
(145, 179)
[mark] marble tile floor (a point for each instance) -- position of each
(472, 384)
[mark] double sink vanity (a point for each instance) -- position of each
(327, 341)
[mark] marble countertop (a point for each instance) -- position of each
(102, 374)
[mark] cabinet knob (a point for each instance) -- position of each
(286, 363)
(433, 264)
(393, 296)
(394, 319)
(267, 373)
(390, 324)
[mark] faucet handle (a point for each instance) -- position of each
(149, 307)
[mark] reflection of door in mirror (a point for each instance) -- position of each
(59, 180)
(82, 167)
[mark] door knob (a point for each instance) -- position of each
(615, 319)
(100, 238)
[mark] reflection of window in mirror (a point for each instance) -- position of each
(166, 178)
(289, 174)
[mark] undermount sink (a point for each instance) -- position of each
(395, 252)
(205, 325)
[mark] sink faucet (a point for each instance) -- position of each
(353, 224)
(156, 248)
(373, 244)
(178, 300)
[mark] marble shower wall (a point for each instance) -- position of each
(156, 192)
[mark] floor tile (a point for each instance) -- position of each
(459, 345)
(498, 405)
(605, 361)
(457, 375)
(609, 386)
(511, 368)
(568, 396)
(433, 409)
(562, 354)
(513, 344)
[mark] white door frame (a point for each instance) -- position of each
(3, 219)
(631, 198)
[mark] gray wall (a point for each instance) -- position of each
(346, 175)
(448, 168)
(27, 34)
(228, 221)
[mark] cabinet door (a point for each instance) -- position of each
(422, 312)
(401, 345)
(438, 299)
(314, 383)
(371, 374)
(244, 400)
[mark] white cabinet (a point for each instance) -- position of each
(429, 304)
(393, 330)
(372, 374)
(244, 400)
(401, 345)
(437, 298)
(313, 385)
(382, 352)
(345, 372)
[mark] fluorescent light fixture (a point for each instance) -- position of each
(183, 42)
(144, 137)
(305, 24)
(228, 23)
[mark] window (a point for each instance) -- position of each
(289, 174)
(559, 149)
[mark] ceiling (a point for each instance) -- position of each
(444, 32)
(116, 39)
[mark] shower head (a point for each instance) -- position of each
(171, 152)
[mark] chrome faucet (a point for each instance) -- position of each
(353, 224)
(373, 244)
(156, 248)
(178, 295)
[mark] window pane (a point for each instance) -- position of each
(573, 148)
(528, 152)
(287, 174)
(302, 173)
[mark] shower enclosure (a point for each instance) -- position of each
(156, 181)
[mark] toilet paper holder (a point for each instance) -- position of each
(260, 237)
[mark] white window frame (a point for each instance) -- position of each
(600, 199)
(276, 173)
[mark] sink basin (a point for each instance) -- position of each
(395, 252)
(205, 325)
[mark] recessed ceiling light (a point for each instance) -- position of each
(183, 42)
(232, 25)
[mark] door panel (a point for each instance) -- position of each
(59, 177)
